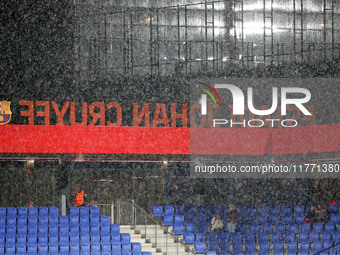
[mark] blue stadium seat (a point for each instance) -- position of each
(43, 221)
(306, 227)
(53, 238)
(11, 212)
(212, 246)
(106, 248)
(2, 240)
(224, 236)
(189, 238)
(32, 230)
(264, 248)
(253, 228)
(318, 227)
(178, 229)
(115, 238)
(43, 239)
(21, 230)
(3, 212)
(32, 211)
(236, 248)
(84, 211)
(224, 246)
(11, 221)
(2, 221)
(287, 209)
(168, 220)
(212, 237)
(292, 248)
(179, 219)
(262, 219)
(250, 214)
(304, 247)
(299, 219)
(294, 228)
(53, 249)
(32, 249)
(95, 248)
(211, 253)
(299, 209)
(11, 230)
(335, 218)
(169, 210)
(32, 240)
(147, 253)
(43, 230)
(94, 211)
(189, 228)
(63, 220)
(199, 237)
(329, 227)
(95, 238)
(54, 212)
(263, 210)
(276, 237)
(10, 240)
(95, 230)
(116, 248)
(115, 229)
(74, 230)
(189, 211)
(64, 230)
(43, 211)
(314, 237)
(214, 210)
(267, 228)
(126, 247)
(262, 238)
(202, 210)
(65, 239)
(105, 229)
(84, 220)
(85, 248)
(21, 249)
(104, 219)
(327, 244)
(84, 239)
(200, 247)
(74, 211)
(250, 246)
(2, 231)
(74, 220)
(125, 238)
(249, 238)
(53, 230)
(317, 246)
(157, 211)
(64, 249)
(105, 239)
(76, 239)
(281, 228)
(10, 249)
(275, 209)
(94, 220)
(22, 211)
(287, 218)
(201, 227)
(74, 248)
(43, 249)
(333, 209)
(274, 218)
(278, 248)
(289, 237)
(326, 236)
(53, 221)
(84, 229)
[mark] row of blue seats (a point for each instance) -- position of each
(159, 211)
(264, 248)
(133, 249)
(262, 237)
(47, 211)
(180, 229)
(54, 220)
(83, 238)
(169, 220)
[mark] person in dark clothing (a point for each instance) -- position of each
(321, 214)
(176, 196)
(232, 218)
(310, 216)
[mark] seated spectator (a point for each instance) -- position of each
(217, 223)
(310, 216)
(321, 214)
(232, 218)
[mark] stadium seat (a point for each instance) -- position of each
(212, 246)
(95, 230)
(262, 219)
(263, 210)
(3, 212)
(116, 248)
(299, 210)
(189, 228)
(76, 239)
(64, 230)
(53, 249)
(333, 209)
(19, 239)
(267, 228)
(147, 253)
(84, 211)
(53, 238)
(278, 248)
(64, 249)
(85, 248)
(11, 221)
(43, 239)
(53, 221)
(250, 247)
(335, 218)
(136, 248)
(281, 228)
(262, 238)
(104, 220)
(32, 249)
(314, 237)
(95, 238)
(43, 249)
(74, 248)
(179, 210)
(169, 210)
(115, 229)
(287, 218)
(254, 228)
(292, 248)
(74, 211)
(63, 220)
(179, 219)
(32, 230)
(84, 229)
(43, 230)
(274, 218)
(318, 227)
(200, 247)
(299, 219)
(211, 253)
(54, 212)
(115, 238)
(10, 249)
(53, 230)
(178, 229)
(276, 237)
(329, 227)
(64, 239)
(214, 210)
(105, 238)
(43, 221)
(95, 248)
(2, 221)
(224, 246)
(201, 227)
(125, 238)
(199, 237)
(21, 249)
(264, 248)
(304, 247)
(306, 227)
(74, 220)
(106, 248)
(94, 211)
(84, 238)
(326, 236)
(32, 211)
(32, 240)
(202, 210)
(22, 211)
(294, 228)
(212, 237)
(287, 209)
(11, 212)
(94, 220)
(168, 220)
(43, 211)
(275, 210)
(84, 220)
(21, 230)
(289, 237)
(189, 238)
(328, 244)
(317, 246)
(157, 211)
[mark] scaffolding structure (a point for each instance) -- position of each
(202, 37)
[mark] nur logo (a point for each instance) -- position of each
(5, 112)
(204, 97)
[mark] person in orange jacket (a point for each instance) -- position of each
(80, 197)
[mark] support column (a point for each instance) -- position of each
(63, 185)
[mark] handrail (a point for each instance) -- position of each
(150, 217)
(329, 249)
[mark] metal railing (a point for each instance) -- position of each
(330, 250)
